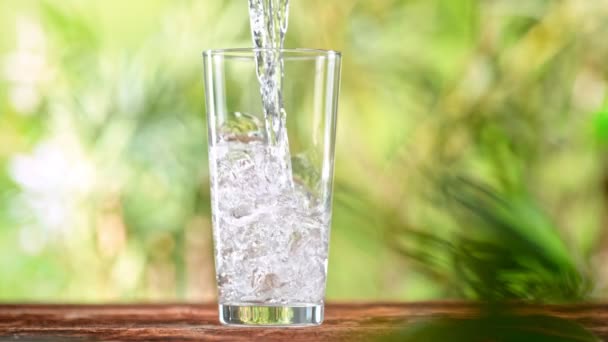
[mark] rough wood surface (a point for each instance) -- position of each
(156, 322)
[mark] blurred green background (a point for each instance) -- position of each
(471, 152)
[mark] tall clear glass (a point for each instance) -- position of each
(271, 215)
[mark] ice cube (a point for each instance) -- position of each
(242, 127)
(276, 230)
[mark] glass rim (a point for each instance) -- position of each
(232, 53)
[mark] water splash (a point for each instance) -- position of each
(269, 19)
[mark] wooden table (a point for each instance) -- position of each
(343, 322)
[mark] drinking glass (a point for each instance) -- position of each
(271, 200)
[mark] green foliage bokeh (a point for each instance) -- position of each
(470, 159)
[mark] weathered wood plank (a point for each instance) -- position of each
(149, 322)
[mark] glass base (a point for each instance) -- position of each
(265, 315)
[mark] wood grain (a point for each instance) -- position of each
(184, 322)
